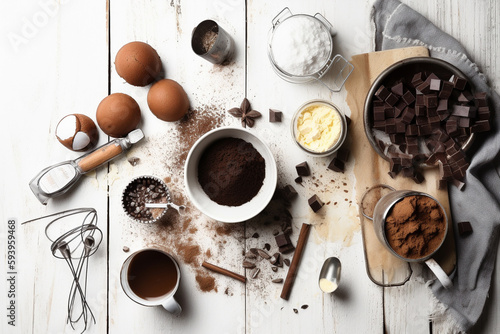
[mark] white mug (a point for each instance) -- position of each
(167, 300)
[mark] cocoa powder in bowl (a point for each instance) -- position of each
(415, 227)
(231, 171)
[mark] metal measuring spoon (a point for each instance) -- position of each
(329, 276)
(178, 208)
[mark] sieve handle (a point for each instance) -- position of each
(326, 23)
(281, 15)
(439, 272)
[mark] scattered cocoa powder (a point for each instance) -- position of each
(415, 227)
(205, 281)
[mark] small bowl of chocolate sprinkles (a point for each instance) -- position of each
(142, 190)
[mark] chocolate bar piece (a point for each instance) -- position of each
(424, 87)
(408, 98)
(419, 100)
(315, 203)
(446, 90)
(336, 165)
(465, 97)
(303, 169)
(421, 111)
(343, 154)
(481, 126)
(382, 93)
(408, 115)
(480, 99)
(435, 85)
(417, 79)
(458, 82)
(463, 111)
(379, 113)
(289, 192)
(464, 228)
(392, 99)
(430, 100)
(275, 116)
(283, 242)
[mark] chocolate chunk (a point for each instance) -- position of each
(424, 130)
(480, 126)
(379, 125)
(419, 100)
(289, 192)
(412, 130)
(315, 203)
(390, 125)
(398, 89)
(286, 249)
(435, 85)
(464, 122)
(343, 154)
(465, 97)
(389, 112)
(464, 228)
(336, 165)
(400, 126)
(418, 177)
(483, 113)
(480, 99)
(379, 113)
(282, 240)
(392, 99)
(417, 79)
(408, 115)
(420, 111)
(398, 109)
(446, 90)
(463, 111)
(275, 116)
(424, 87)
(408, 98)
(430, 100)
(267, 246)
(442, 105)
(275, 259)
(298, 179)
(458, 82)
(303, 169)
(382, 93)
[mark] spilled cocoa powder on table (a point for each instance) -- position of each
(178, 234)
(415, 227)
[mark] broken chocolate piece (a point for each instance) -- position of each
(336, 165)
(315, 203)
(398, 89)
(464, 228)
(275, 116)
(303, 169)
(343, 154)
(458, 82)
(298, 179)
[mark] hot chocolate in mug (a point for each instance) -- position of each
(151, 277)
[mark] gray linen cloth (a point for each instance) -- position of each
(399, 26)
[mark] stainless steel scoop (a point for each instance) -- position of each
(329, 276)
(57, 179)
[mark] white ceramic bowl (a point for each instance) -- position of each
(222, 213)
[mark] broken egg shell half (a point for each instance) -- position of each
(77, 132)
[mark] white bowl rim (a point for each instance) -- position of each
(221, 213)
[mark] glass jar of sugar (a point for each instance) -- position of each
(300, 49)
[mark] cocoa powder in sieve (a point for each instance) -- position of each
(415, 227)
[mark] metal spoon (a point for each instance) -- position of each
(178, 208)
(329, 276)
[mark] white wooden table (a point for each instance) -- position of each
(57, 58)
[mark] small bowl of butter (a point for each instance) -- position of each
(319, 128)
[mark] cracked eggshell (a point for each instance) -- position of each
(138, 63)
(118, 114)
(167, 100)
(77, 132)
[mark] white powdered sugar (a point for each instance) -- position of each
(301, 45)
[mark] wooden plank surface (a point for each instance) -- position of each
(58, 58)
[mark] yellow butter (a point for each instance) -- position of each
(318, 127)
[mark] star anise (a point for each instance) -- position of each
(246, 113)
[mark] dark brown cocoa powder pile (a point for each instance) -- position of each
(415, 227)
(231, 171)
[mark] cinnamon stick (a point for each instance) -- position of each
(292, 272)
(223, 271)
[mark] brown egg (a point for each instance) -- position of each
(77, 132)
(138, 63)
(118, 114)
(167, 100)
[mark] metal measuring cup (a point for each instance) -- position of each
(146, 199)
(380, 214)
(211, 42)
